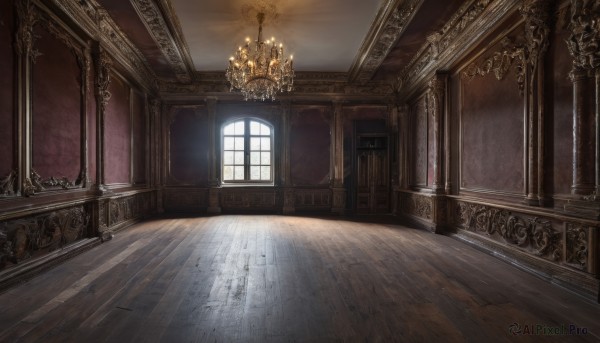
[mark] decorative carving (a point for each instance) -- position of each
(103, 65)
(7, 184)
(376, 48)
(128, 208)
(577, 245)
(249, 199)
(443, 40)
(417, 205)
(52, 182)
(28, 17)
(499, 63)
(25, 238)
(584, 40)
(436, 88)
(91, 16)
(311, 198)
(533, 234)
(28, 188)
(152, 18)
(464, 17)
(537, 29)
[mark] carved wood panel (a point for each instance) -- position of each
(312, 199)
(178, 199)
(30, 237)
(249, 199)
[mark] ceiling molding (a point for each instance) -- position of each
(96, 21)
(466, 27)
(174, 27)
(390, 23)
(323, 85)
(151, 15)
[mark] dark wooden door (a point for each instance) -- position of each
(372, 183)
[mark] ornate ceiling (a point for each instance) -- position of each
(362, 40)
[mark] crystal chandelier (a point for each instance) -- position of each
(259, 70)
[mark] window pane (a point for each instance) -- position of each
(254, 143)
(228, 157)
(227, 173)
(265, 173)
(254, 158)
(265, 143)
(254, 173)
(229, 129)
(255, 128)
(239, 143)
(264, 130)
(238, 172)
(228, 143)
(239, 127)
(265, 158)
(239, 157)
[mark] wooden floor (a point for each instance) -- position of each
(288, 279)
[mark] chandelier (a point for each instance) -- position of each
(259, 70)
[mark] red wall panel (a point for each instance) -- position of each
(420, 125)
(139, 138)
(560, 112)
(310, 146)
(492, 131)
(7, 69)
(56, 109)
(117, 134)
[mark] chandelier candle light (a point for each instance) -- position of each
(258, 70)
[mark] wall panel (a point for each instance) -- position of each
(492, 133)
(559, 131)
(7, 68)
(117, 140)
(310, 145)
(139, 138)
(56, 109)
(188, 146)
(420, 132)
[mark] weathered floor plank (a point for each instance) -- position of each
(281, 278)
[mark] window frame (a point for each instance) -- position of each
(247, 150)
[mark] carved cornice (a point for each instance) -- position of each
(306, 83)
(155, 23)
(584, 40)
(389, 25)
(94, 19)
(468, 24)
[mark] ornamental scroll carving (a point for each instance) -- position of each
(103, 65)
(584, 40)
(499, 63)
(28, 17)
(577, 245)
(127, 208)
(533, 234)
(25, 238)
(417, 205)
(7, 184)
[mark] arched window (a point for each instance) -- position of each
(247, 152)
